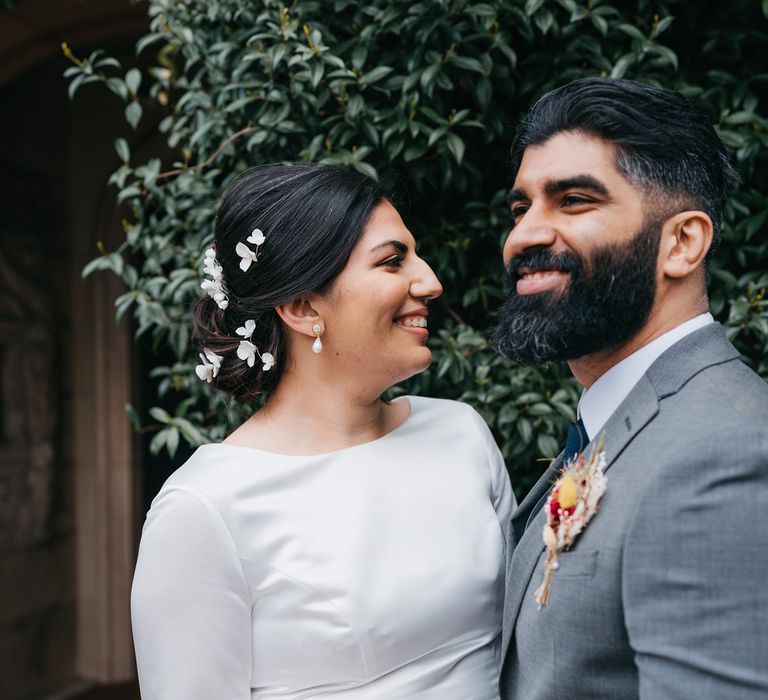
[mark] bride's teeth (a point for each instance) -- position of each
(415, 322)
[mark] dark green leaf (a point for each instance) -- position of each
(133, 80)
(123, 152)
(133, 113)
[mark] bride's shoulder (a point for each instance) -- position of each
(212, 472)
(444, 409)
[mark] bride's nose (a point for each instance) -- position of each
(424, 284)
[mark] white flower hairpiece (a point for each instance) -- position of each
(247, 330)
(250, 256)
(215, 286)
(268, 361)
(247, 351)
(256, 237)
(210, 367)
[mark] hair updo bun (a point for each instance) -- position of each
(311, 216)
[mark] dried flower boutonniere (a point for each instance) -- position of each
(570, 506)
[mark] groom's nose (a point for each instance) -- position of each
(529, 233)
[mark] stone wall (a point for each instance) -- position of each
(37, 614)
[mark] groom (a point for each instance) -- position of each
(617, 203)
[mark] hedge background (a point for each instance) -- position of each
(424, 95)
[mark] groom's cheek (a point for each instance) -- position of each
(507, 252)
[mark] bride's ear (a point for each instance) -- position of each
(299, 315)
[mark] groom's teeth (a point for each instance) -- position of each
(538, 275)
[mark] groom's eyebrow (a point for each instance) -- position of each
(580, 182)
(516, 194)
(555, 187)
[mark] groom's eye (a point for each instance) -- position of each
(518, 211)
(575, 200)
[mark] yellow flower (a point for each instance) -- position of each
(567, 492)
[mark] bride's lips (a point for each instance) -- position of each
(536, 280)
(414, 321)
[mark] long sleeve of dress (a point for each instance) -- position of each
(501, 489)
(190, 602)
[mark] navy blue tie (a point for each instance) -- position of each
(577, 440)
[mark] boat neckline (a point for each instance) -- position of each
(391, 433)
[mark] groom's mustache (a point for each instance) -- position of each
(541, 260)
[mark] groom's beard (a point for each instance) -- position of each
(603, 305)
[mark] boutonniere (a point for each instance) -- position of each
(570, 506)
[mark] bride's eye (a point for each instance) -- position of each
(394, 261)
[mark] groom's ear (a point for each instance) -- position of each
(299, 315)
(685, 241)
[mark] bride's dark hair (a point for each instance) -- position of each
(312, 216)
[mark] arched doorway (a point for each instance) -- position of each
(67, 455)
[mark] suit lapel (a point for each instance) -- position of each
(632, 416)
(521, 515)
(524, 551)
(640, 406)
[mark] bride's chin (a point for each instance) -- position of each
(420, 365)
(392, 371)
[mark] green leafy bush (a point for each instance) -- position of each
(424, 95)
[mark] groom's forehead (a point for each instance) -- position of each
(568, 159)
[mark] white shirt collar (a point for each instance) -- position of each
(598, 403)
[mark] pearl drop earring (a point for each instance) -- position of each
(317, 346)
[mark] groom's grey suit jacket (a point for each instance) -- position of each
(664, 595)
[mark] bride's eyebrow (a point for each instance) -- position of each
(398, 245)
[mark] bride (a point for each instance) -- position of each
(335, 545)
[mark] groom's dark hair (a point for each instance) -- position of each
(666, 146)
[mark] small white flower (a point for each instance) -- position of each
(204, 371)
(215, 290)
(256, 237)
(210, 266)
(247, 255)
(213, 270)
(247, 351)
(550, 539)
(215, 286)
(269, 361)
(214, 359)
(211, 363)
(211, 286)
(247, 330)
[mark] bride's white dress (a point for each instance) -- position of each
(371, 573)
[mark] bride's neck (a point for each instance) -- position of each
(309, 413)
